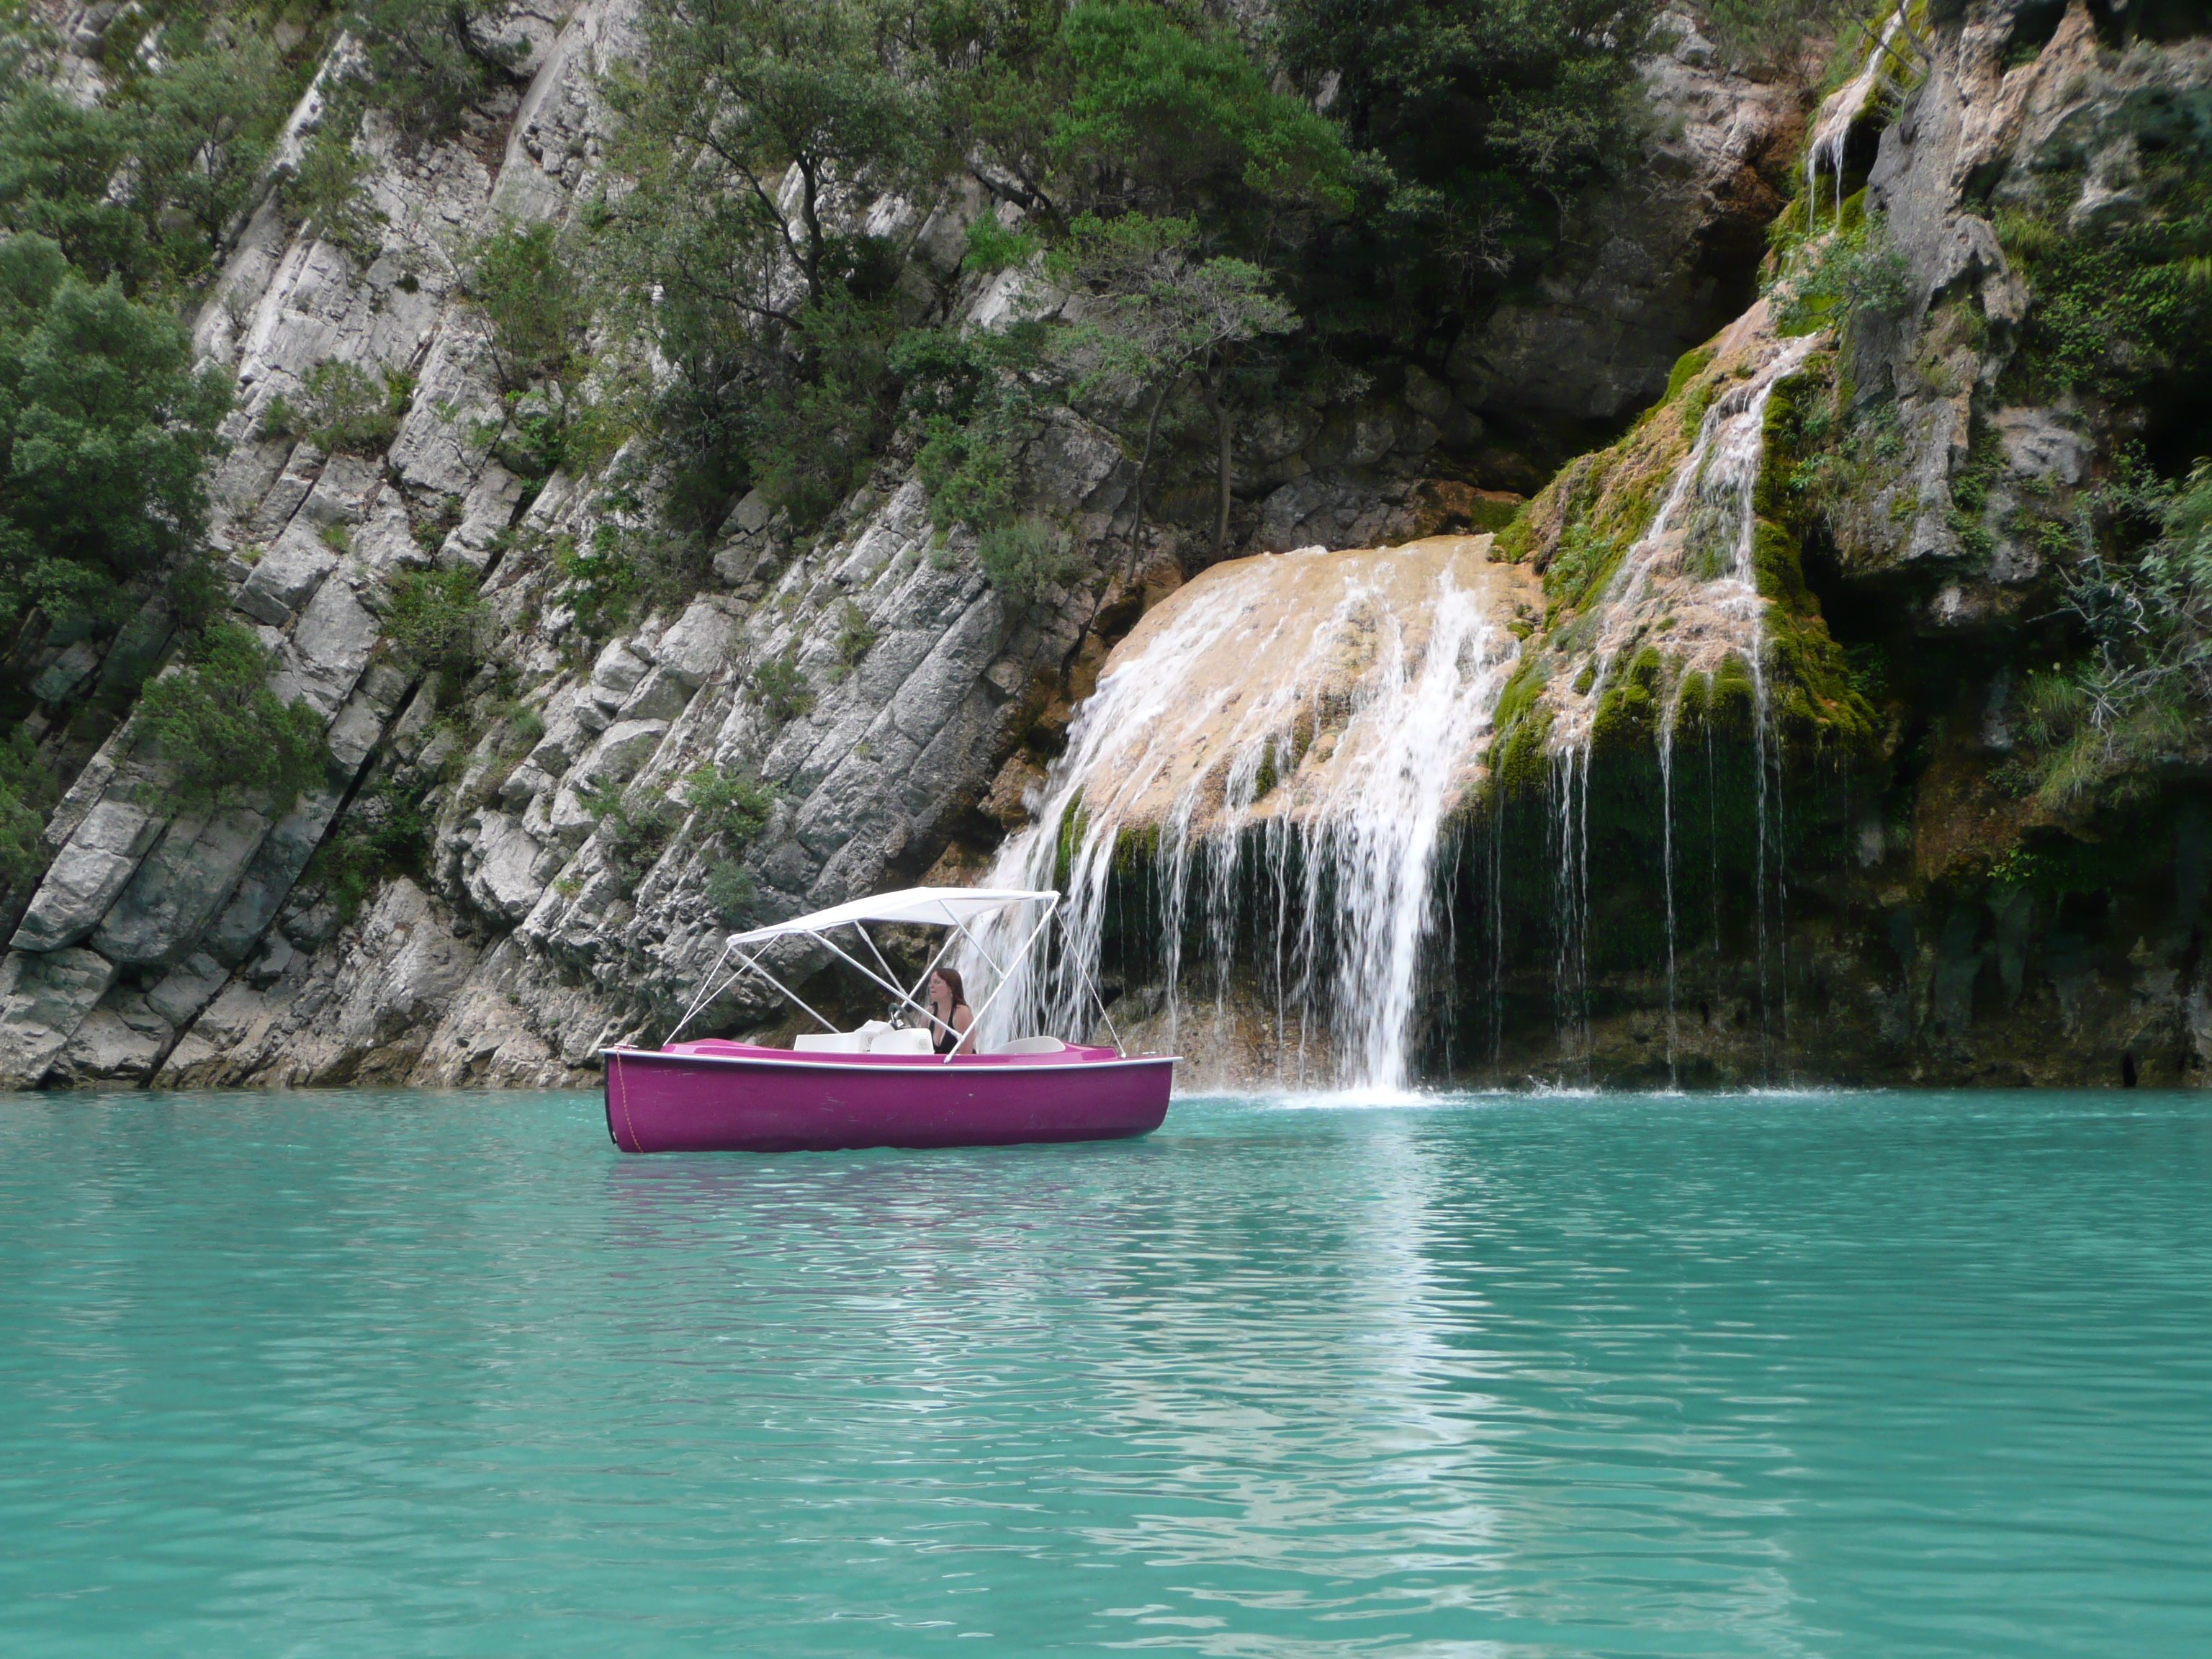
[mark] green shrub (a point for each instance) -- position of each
(438, 621)
(341, 410)
(728, 812)
(731, 892)
(324, 197)
(728, 807)
(1774, 34)
(26, 794)
(991, 247)
(625, 570)
(385, 833)
(136, 180)
(1842, 279)
(1583, 558)
(596, 584)
(526, 283)
(427, 61)
(2138, 583)
(2119, 312)
(1024, 558)
(1486, 122)
(107, 434)
(781, 689)
(855, 635)
(220, 729)
(633, 828)
(972, 468)
(814, 433)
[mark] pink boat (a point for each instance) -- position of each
(883, 1085)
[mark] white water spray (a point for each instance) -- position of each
(1292, 730)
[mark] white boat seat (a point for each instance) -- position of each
(876, 1037)
(1035, 1045)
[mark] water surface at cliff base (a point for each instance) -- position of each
(1796, 1374)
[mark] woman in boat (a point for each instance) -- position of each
(951, 1021)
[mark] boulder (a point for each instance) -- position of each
(622, 748)
(269, 877)
(619, 669)
(66, 672)
(178, 887)
(508, 869)
(696, 646)
(44, 998)
(288, 576)
(121, 1043)
(188, 987)
(87, 875)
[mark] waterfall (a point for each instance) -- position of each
(1666, 862)
(1274, 753)
(1832, 126)
(1570, 779)
(1695, 571)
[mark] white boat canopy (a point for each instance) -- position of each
(952, 908)
(920, 907)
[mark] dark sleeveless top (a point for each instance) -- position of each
(945, 1039)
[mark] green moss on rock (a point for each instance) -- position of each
(1519, 764)
(1520, 691)
(1688, 367)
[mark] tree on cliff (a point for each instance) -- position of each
(105, 435)
(758, 128)
(427, 61)
(1166, 313)
(1480, 119)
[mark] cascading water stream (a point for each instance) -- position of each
(1832, 126)
(1667, 864)
(1283, 742)
(1694, 568)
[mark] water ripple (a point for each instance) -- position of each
(1783, 1375)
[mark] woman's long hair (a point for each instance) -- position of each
(951, 978)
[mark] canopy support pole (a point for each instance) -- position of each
(865, 973)
(753, 963)
(1043, 921)
(865, 938)
(1098, 996)
(710, 991)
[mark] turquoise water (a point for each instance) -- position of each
(396, 1373)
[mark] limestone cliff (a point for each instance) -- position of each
(901, 706)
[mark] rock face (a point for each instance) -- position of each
(168, 917)
(1650, 266)
(1656, 262)
(362, 1012)
(45, 996)
(901, 709)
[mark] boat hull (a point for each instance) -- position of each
(734, 1097)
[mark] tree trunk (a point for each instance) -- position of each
(1144, 460)
(1219, 408)
(817, 242)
